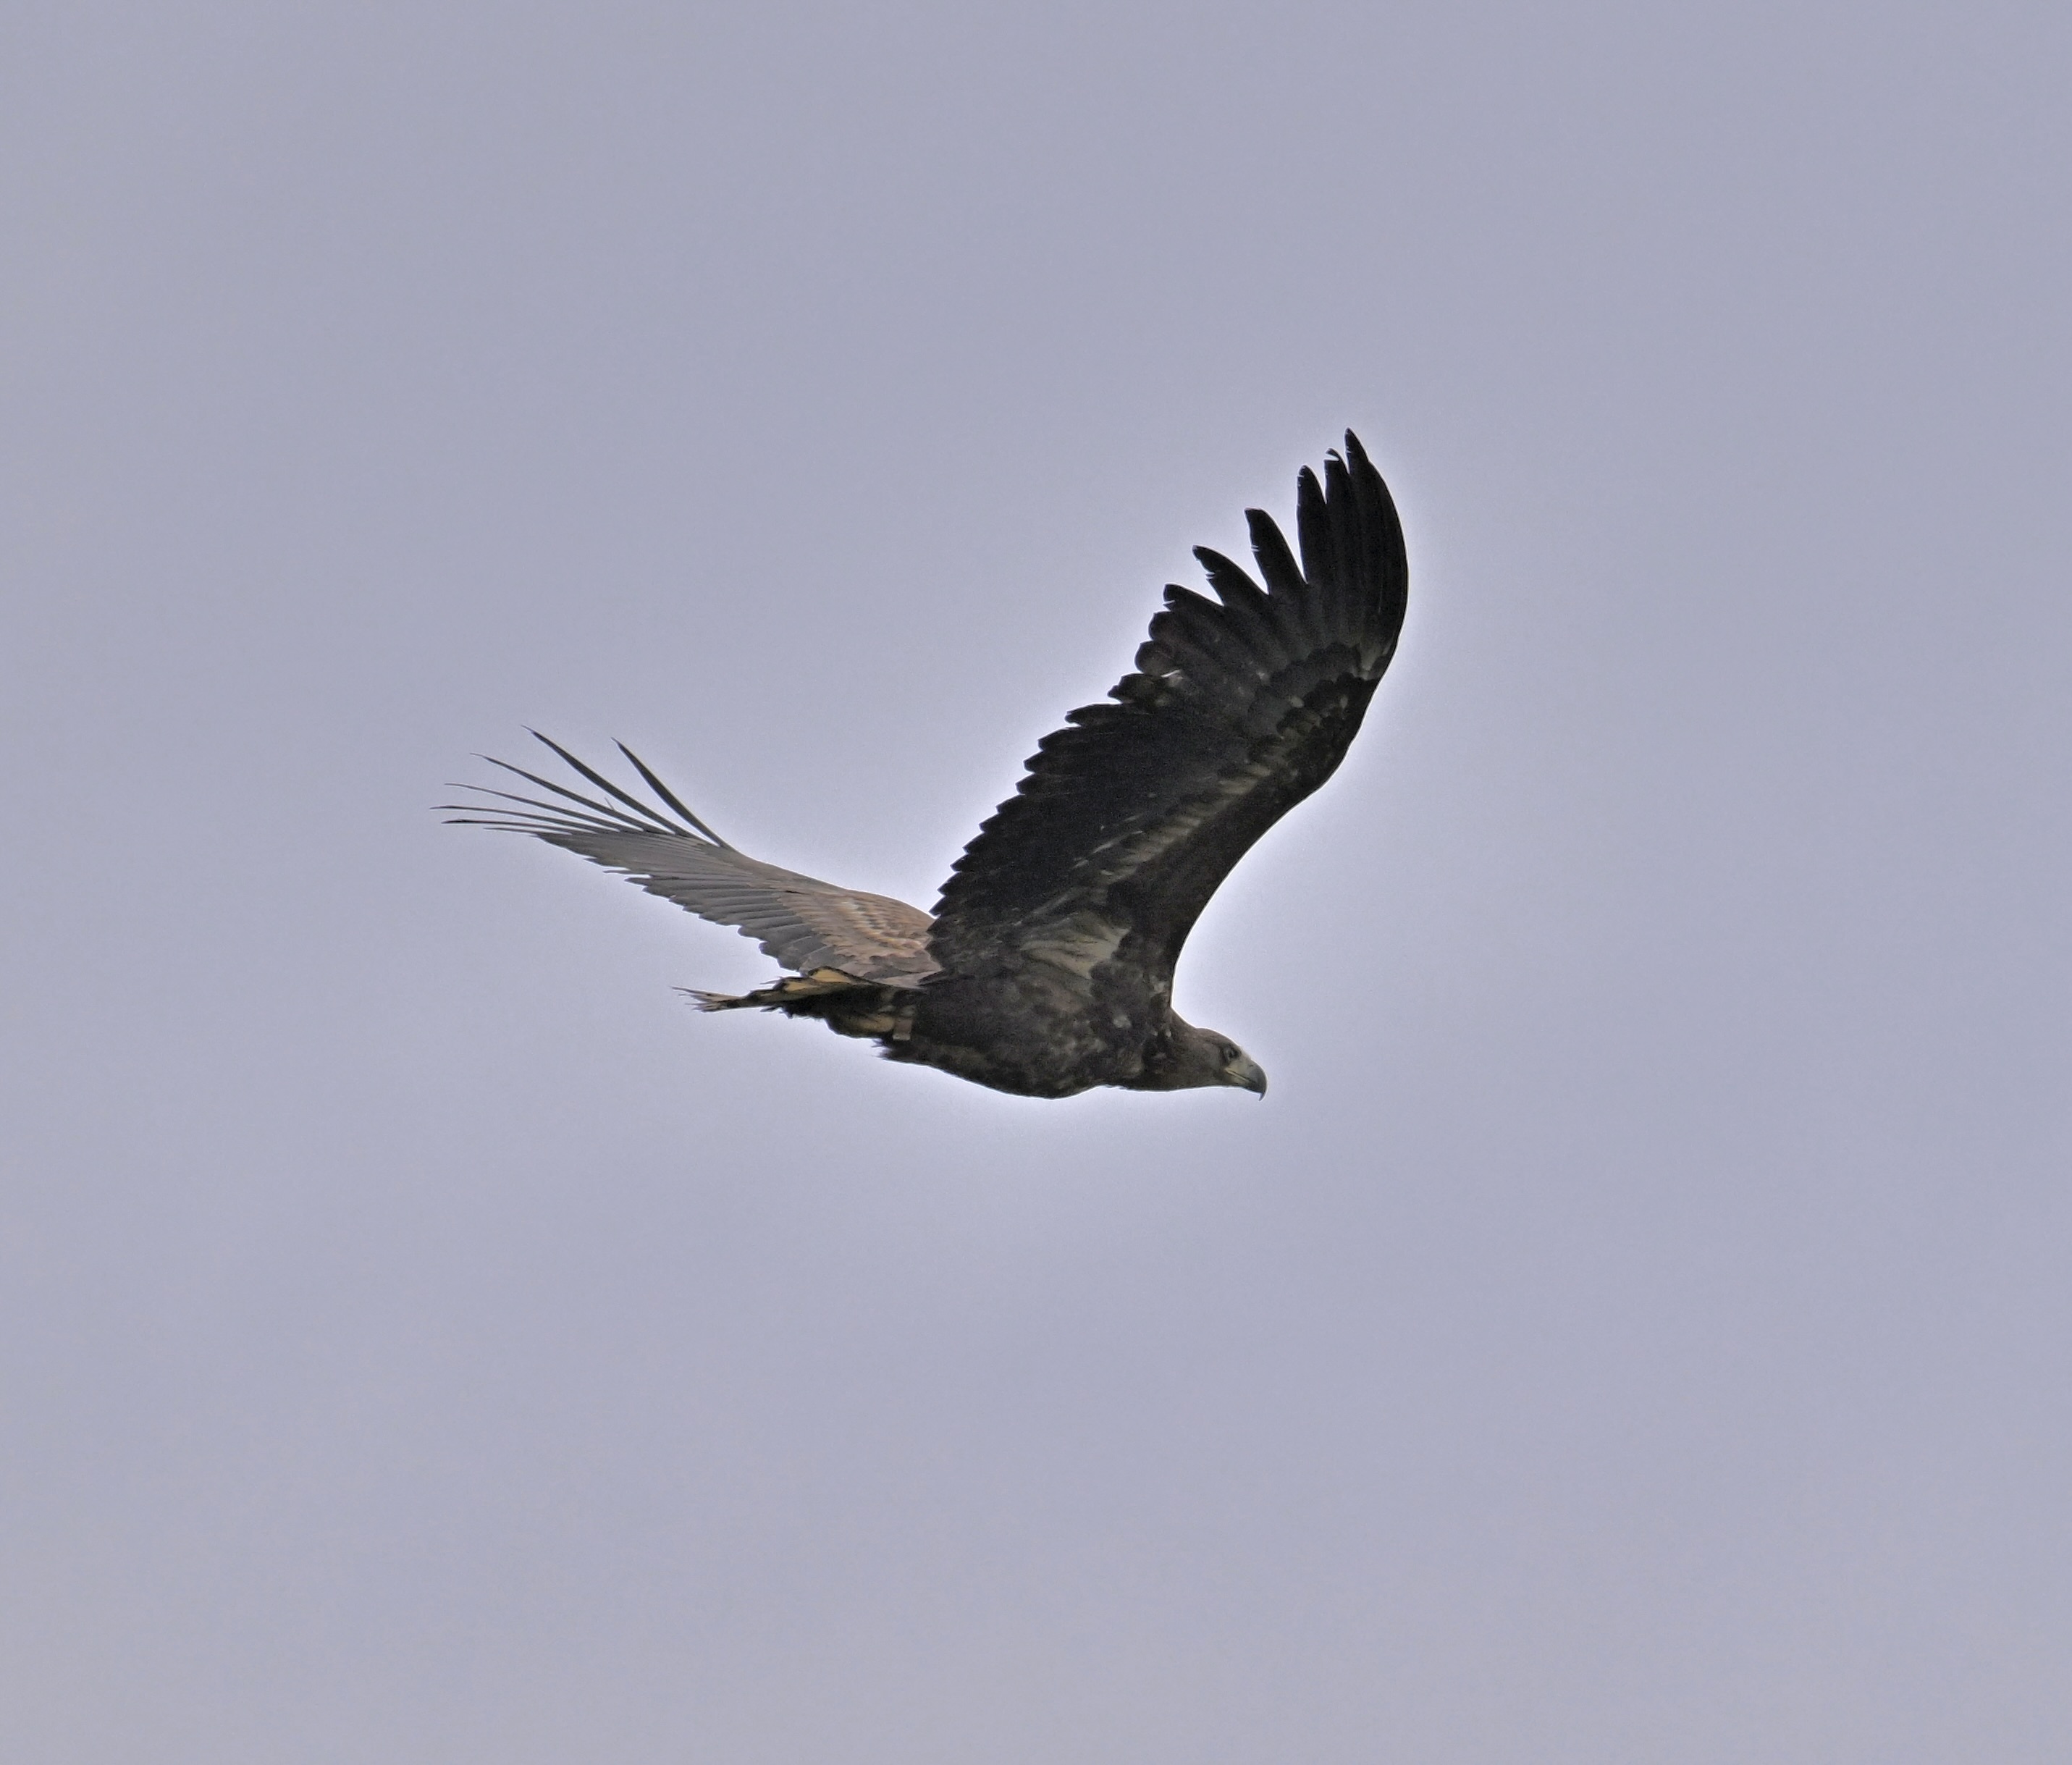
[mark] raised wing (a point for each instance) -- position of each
(1132, 814)
(802, 923)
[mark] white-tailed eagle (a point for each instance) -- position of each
(1046, 967)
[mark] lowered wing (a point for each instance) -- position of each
(1132, 814)
(803, 923)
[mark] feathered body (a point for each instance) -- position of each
(1046, 967)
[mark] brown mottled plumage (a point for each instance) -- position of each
(1046, 967)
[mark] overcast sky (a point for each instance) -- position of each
(1636, 1326)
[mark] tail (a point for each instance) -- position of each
(792, 989)
(847, 1006)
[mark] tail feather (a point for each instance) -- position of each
(716, 1001)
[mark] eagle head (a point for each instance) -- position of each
(1189, 1057)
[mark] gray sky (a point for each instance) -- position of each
(1635, 1327)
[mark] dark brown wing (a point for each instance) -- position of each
(804, 924)
(1132, 814)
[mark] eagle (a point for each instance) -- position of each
(1046, 967)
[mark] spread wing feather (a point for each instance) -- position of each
(805, 924)
(1132, 814)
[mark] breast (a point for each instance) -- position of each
(1043, 1030)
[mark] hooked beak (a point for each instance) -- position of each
(1246, 1073)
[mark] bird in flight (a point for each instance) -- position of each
(1046, 967)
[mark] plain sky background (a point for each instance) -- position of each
(1636, 1328)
